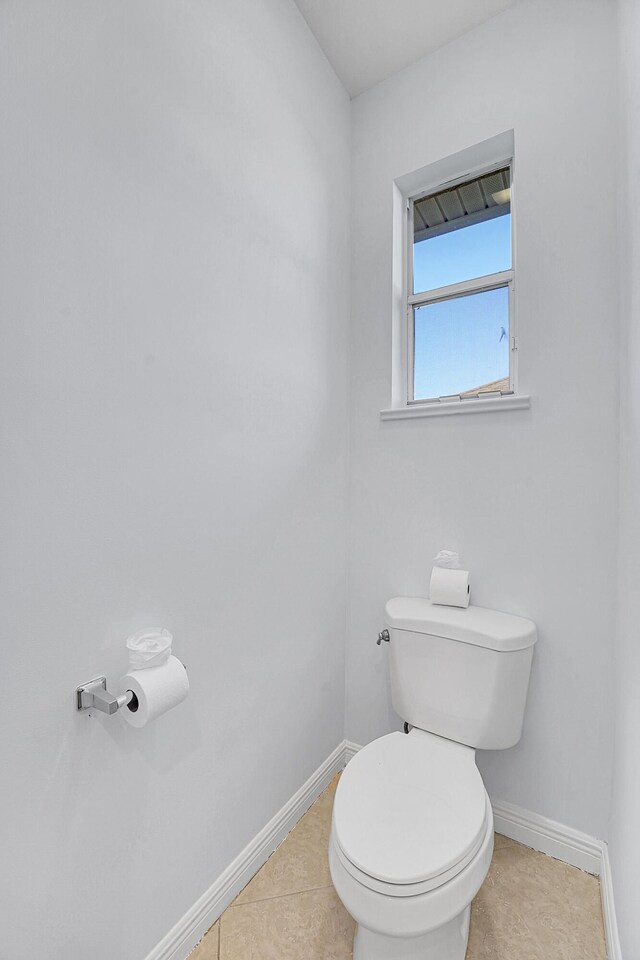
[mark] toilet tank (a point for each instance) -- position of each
(460, 673)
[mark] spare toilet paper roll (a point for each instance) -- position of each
(450, 587)
(157, 690)
(149, 647)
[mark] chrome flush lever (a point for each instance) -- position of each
(383, 635)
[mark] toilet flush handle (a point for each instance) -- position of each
(383, 635)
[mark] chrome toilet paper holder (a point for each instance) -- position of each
(95, 696)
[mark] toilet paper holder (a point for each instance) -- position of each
(95, 696)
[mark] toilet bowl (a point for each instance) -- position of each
(410, 845)
(412, 830)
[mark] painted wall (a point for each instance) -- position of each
(174, 302)
(625, 829)
(528, 498)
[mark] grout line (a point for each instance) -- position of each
(282, 896)
(279, 896)
(294, 892)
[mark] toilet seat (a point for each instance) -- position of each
(413, 889)
(410, 813)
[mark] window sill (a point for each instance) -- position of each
(445, 408)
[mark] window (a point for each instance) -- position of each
(460, 334)
(453, 336)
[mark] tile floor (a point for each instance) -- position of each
(530, 907)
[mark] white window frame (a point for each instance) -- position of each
(477, 161)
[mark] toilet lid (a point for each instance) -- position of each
(409, 808)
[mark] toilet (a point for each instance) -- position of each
(412, 830)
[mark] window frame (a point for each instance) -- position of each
(413, 301)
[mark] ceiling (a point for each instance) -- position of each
(369, 40)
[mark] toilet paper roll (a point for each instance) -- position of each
(450, 587)
(157, 690)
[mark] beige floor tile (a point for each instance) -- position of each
(304, 926)
(532, 907)
(300, 863)
(207, 949)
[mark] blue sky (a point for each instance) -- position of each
(459, 343)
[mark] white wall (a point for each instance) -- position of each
(174, 304)
(529, 498)
(625, 827)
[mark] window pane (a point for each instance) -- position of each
(462, 345)
(462, 233)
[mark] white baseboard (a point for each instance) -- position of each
(350, 750)
(190, 929)
(614, 951)
(548, 836)
(561, 842)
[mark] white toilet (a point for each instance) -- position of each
(412, 832)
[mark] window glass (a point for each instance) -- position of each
(462, 233)
(461, 345)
